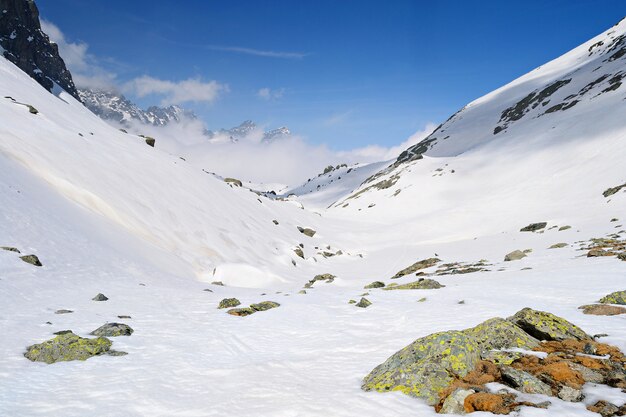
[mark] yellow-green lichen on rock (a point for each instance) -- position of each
(67, 347)
(498, 333)
(546, 326)
(421, 284)
(617, 297)
(426, 366)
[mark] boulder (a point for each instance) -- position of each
(423, 264)
(299, 252)
(67, 347)
(564, 228)
(364, 303)
(10, 249)
(307, 231)
(150, 141)
(533, 227)
(100, 297)
(233, 181)
(264, 305)
(241, 312)
(421, 284)
(524, 382)
(455, 402)
(516, 255)
(498, 333)
(617, 297)
(546, 326)
(113, 330)
(426, 366)
(375, 284)
(31, 259)
(229, 302)
(602, 310)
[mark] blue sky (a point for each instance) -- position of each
(344, 73)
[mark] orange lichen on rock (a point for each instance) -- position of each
(492, 403)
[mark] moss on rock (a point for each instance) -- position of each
(264, 305)
(67, 347)
(617, 297)
(546, 326)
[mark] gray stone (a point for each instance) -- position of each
(570, 394)
(547, 326)
(533, 227)
(100, 297)
(10, 249)
(516, 255)
(307, 231)
(364, 303)
(375, 284)
(524, 382)
(422, 284)
(31, 259)
(113, 330)
(455, 402)
(229, 302)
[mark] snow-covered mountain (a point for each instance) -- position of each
(246, 129)
(115, 107)
(167, 241)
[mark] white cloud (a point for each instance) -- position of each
(85, 68)
(258, 52)
(337, 118)
(190, 90)
(269, 94)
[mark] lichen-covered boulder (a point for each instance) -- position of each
(617, 297)
(426, 366)
(31, 259)
(498, 333)
(113, 330)
(241, 312)
(375, 284)
(423, 264)
(264, 305)
(229, 302)
(422, 284)
(546, 326)
(364, 303)
(67, 347)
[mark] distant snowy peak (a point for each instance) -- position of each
(115, 107)
(245, 130)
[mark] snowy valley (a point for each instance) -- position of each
(166, 240)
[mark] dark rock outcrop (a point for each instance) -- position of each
(28, 47)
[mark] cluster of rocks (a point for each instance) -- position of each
(455, 268)
(613, 245)
(29, 259)
(245, 311)
(533, 352)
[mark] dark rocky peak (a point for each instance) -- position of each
(24, 43)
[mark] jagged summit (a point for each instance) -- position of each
(24, 43)
(115, 107)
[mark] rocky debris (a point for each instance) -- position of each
(614, 190)
(602, 310)
(375, 284)
(63, 311)
(24, 44)
(67, 347)
(113, 330)
(617, 297)
(31, 259)
(558, 246)
(100, 297)
(241, 312)
(533, 227)
(456, 268)
(450, 370)
(516, 255)
(364, 303)
(264, 305)
(233, 181)
(328, 278)
(606, 246)
(595, 253)
(229, 302)
(10, 249)
(421, 284)
(606, 409)
(423, 264)
(307, 231)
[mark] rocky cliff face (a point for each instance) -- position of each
(23, 43)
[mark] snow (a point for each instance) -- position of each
(107, 213)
